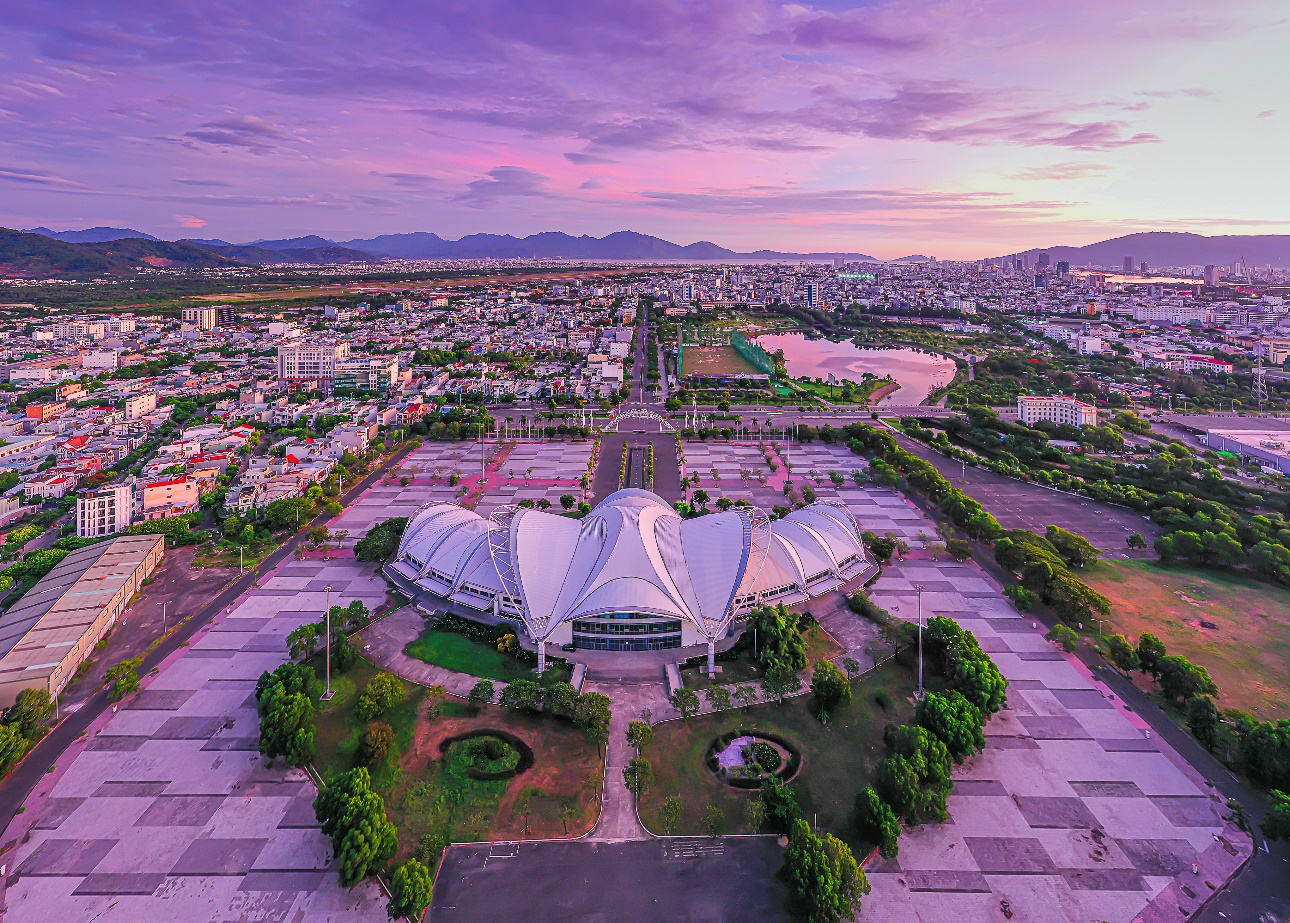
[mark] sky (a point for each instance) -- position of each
(954, 128)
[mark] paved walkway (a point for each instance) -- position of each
(618, 821)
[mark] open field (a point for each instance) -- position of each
(838, 759)
(715, 360)
(1247, 654)
(426, 794)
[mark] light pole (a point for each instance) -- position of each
(326, 696)
(239, 559)
(918, 587)
(163, 616)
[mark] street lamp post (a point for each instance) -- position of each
(919, 588)
(326, 696)
(163, 616)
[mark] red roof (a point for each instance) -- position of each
(183, 480)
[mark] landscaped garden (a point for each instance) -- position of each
(741, 663)
(838, 759)
(457, 772)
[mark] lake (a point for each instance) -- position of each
(919, 373)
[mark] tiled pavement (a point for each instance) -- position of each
(165, 810)
(1071, 813)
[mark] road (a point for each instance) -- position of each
(19, 784)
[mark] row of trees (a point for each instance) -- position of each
(913, 783)
(588, 710)
(1043, 563)
(1260, 749)
(23, 724)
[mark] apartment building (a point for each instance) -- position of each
(105, 511)
(311, 361)
(140, 405)
(1033, 408)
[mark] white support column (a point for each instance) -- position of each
(541, 648)
(712, 658)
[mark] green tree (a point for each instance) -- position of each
(1276, 819)
(780, 803)
(745, 696)
(713, 822)
(1136, 541)
(481, 693)
(30, 712)
(123, 678)
(638, 775)
(779, 638)
(1075, 550)
(686, 701)
(524, 694)
(286, 724)
(669, 813)
(375, 745)
(779, 682)
(1203, 720)
(354, 817)
(411, 890)
(567, 501)
(383, 692)
(829, 686)
(639, 734)
(718, 697)
(1122, 653)
(1063, 637)
(824, 879)
(302, 642)
(1150, 650)
(13, 746)
(1182, 679)
(954, 720)
(755, 814)
(558, 699)
(877, 823)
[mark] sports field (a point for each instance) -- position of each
(715, 360)
(1247, 649)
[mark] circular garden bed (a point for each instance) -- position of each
(742, 758)
(490, 754)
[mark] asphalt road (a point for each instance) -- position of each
(18, 785)
(681, 880)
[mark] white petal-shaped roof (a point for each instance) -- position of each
(632, 553)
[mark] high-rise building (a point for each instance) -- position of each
(812, 294)
(1211, 275)
(1143, 268)
(204, 318)
(1128, 264)
(313, 360)
(105, 511)
(1044, 260)
(1063, 269)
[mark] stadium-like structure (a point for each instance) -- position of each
(632, 575)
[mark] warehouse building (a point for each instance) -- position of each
(54, 627)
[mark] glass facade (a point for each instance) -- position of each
(627, 631)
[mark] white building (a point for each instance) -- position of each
(140, 405)
(203, 318)
(1033, 408)
(631, 576)
(100, 359)
(105, 511)
(311, 361)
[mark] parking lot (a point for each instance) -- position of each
(681, 880)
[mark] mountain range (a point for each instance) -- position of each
(43, 253)
(1170, 248)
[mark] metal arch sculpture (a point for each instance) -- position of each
(637, 413)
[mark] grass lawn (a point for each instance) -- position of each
(466, 655)
(426, 794)
(715, 360)
(1248, 654)
(838, 759)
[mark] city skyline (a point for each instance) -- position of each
(887, 129)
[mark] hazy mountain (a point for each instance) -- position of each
(1169, 248)
(91, 235)
(620, 245)
(36, 256)
(310, 242)
(325, 254)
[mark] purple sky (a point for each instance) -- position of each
(960, 128)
